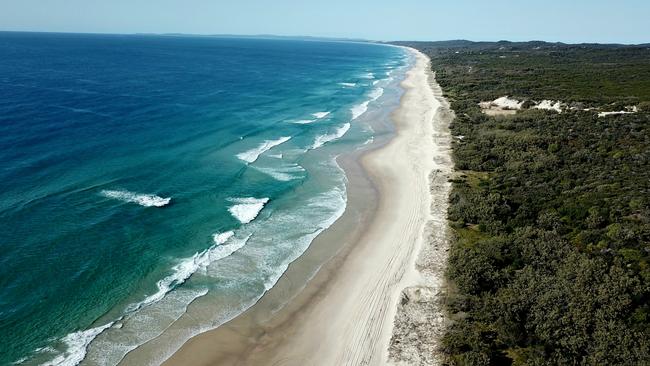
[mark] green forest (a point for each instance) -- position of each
(550, 211)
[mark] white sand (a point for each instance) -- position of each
(501, 106)
(420, 322)
(502, 103)
(605, 114)
(549, 105)
(628, 110)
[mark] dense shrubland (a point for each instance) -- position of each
(551, 212)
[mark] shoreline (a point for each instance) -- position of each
(347, 309)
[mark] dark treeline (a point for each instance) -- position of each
(551, 211)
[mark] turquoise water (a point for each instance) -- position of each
(142, 174)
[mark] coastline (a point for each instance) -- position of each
(344, 315)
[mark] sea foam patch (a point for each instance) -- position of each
(320, 115)
(188, 266)
(376, 93)
(146, 200)
(246, 209)
(359, 109)
(283, 173)
(328, 207)
(139, 314)
(252, 155)
(323, 139)
(76, 346)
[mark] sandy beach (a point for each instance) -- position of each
(207, 185)
(345, 314)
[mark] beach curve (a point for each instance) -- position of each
(345, 314)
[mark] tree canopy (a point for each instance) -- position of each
(551, 211)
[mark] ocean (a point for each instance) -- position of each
(154, 187)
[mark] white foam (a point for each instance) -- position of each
(304, 121)
(220, 249)
(146, 200)
(359, 109)
(139, 329)
(247, 209)
(368, 76)
(188, 266)
(276, 156)
(376, 82)
(323, 139)
(376, 93)
(322, 209)
(77, 346)
(77, 343)
(333, 201)
(283, 174)
(142, 327)
(348, 85)
(320, 115)
(251, 155)
(220, 238)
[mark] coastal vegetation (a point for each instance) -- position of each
(550, 211)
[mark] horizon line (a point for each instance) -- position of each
(327, 38)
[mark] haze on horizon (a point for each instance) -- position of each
(552, 20)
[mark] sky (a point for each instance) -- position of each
(571, 21)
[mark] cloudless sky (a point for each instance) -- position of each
(621, 21)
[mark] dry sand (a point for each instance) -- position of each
(345, 314)
(420, 321)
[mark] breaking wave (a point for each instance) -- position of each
(253, 154)
(320, 115)
(247, 209)
(77, 342)
(146, 200)
(359, 109)
(376, 93)
(323, 139)
(283, 174)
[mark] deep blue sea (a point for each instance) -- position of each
(142, 176)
